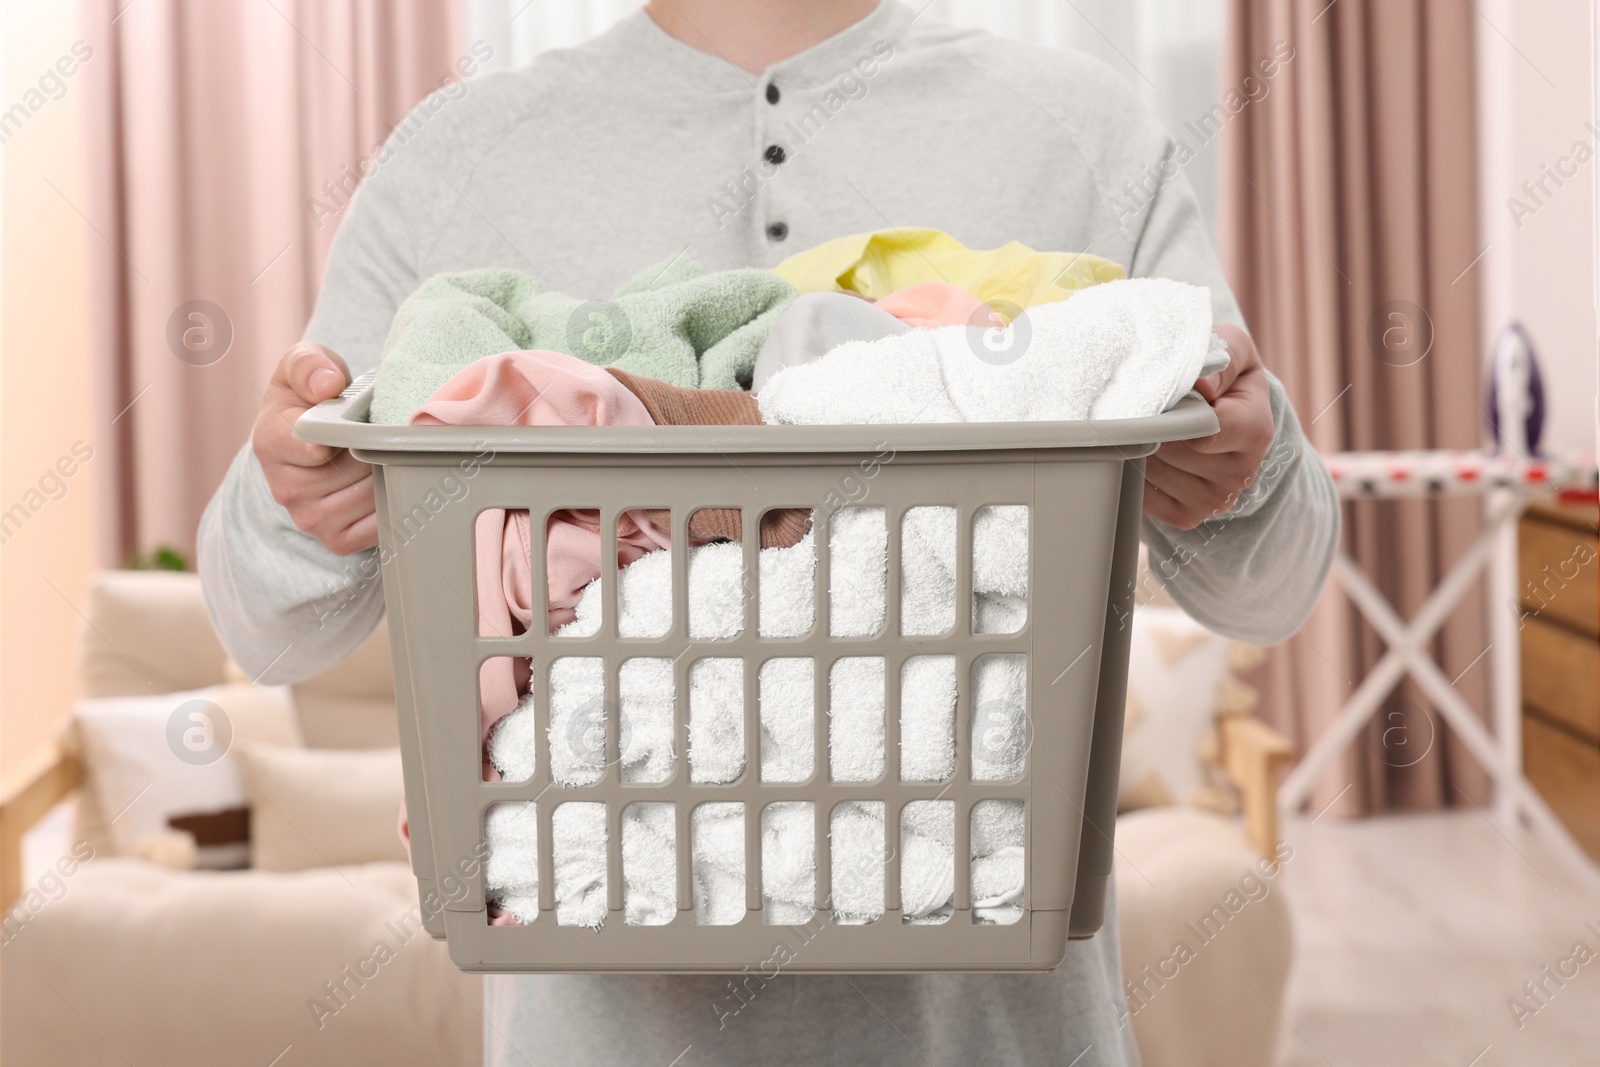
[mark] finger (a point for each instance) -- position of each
(1161, 507)
(276, 445)
(358, 537)
(1244, 417)
(314, 373)
(1210, 466)
(1180, 485)
(1242, 356)
(348, 504)
(323, 510)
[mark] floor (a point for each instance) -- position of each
(1412, 935)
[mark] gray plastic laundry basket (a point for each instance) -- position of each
(1083, 483)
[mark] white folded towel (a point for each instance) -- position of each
(1114, 351)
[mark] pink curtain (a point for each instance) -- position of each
(214, 126)
(1348, 230)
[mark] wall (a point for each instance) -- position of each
(1535, 104)
(45, 516)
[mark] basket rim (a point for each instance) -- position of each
(341, 423)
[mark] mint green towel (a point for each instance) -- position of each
(675, 323)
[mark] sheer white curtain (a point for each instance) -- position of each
(1167, 49)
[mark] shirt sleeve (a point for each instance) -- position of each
(1254, 572)
(284, 606)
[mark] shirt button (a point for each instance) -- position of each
(772, 93)
(775, 154)
(778, 231)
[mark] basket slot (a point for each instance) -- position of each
(786, 680)
(789, 866)
(582, 712)
(893, 594)
(644, 825)
(857, 536)
(718, 739)
(990, 525)
(1001, 818)
(721, 859)
(923, 681)
(856, 708)
(859, 877)
(923, 874)
(582, 830)
(515, 827)
(963, 620)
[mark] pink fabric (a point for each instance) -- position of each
(936, 304)
(536, 389)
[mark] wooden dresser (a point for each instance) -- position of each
(1560, 594)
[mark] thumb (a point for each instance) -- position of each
(315, 373)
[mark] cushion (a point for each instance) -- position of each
(1180, 679)
(349, 705)
(148, 633)
(314, 807)
(156, 766)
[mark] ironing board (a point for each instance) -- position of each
(1508, 484)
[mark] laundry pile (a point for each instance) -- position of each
(902, 326)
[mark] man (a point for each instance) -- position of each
(734, 133)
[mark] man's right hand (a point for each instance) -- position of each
(327, 491)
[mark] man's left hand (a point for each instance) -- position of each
(1188, 482)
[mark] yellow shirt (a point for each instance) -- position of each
(877, 264)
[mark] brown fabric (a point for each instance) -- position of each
(225, 827)
(1346, 191)
(671, 405)
(224, 141)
